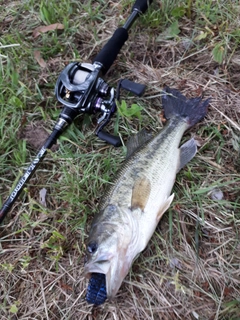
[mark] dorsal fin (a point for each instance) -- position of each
(140, 193)
(137, 141)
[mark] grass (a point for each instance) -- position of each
(190, 269)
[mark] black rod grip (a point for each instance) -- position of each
(111, 49)
(141, 5)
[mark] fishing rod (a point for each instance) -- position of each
(81, 89)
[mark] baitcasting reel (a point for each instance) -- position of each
(81, 90)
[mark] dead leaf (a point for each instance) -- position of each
(35, 135)
(65, 286)
(162, 117)
(228, 291)
(216, 194)
(37, 56)
(43, 29)
(42, 197)
(175, 262)
(197, 293)
(205, 286)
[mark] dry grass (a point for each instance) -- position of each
(191, 267)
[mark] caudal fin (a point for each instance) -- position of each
(176, 104)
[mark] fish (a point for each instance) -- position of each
(132, 207)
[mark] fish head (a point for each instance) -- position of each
(108, 252)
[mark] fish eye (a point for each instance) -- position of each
(92, 247)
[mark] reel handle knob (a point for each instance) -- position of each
(109, 138)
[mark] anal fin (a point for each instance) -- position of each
(140, 193)
(164, 207)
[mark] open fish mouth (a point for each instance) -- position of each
(96, 290)
(106, 272)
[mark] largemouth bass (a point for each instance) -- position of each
(132, 207)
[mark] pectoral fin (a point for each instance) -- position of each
(187, 152)
(140, 193)
(164, 207)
